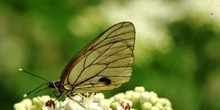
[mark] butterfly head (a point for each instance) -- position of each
(55, 85)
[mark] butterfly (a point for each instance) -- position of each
(104, 64)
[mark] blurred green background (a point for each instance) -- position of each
(177, 50)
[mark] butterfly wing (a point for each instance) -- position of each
(105, 63)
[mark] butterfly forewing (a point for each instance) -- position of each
(105, 63)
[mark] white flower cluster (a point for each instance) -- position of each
(137, 99)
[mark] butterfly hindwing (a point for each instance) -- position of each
(105, 63)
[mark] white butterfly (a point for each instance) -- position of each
(104, 64)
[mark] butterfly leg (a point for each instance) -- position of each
(57, 96)
(70, 97)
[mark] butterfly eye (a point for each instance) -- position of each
(51, 85)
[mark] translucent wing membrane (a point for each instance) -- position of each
(105, 63)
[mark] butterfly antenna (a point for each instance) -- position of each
(22, 70)
(25, 95)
